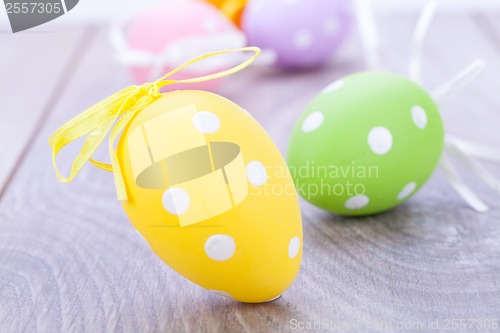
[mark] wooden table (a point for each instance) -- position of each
(70, 261)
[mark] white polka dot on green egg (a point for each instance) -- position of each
(357, 202)
(419, 116)
(364, 143)
(380, 140)
(333, 87)
(313, 122)
(407, 191)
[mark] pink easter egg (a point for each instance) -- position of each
(178, 31)
(302, 33)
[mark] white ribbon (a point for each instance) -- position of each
(368, 30)
(448, 90)
(424, 22)
(461, 187)
(465, 151)
(369, 33)
(452, 148)
(477, 150)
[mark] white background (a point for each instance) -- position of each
(102, 11)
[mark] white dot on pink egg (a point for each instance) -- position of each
(210, 25)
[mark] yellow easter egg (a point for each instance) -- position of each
(233, 9)
(211, 194)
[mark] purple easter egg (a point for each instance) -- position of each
(303, 33)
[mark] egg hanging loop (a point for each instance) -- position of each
(114, 113)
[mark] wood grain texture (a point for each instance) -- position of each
(71, 262)
(33, 66)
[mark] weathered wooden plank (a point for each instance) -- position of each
(33, 67)
(70, 261)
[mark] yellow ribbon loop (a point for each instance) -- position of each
(114, 113)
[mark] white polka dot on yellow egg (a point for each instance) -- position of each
(294, 247)
(256, 173)
(380, 140)
(206, 122)
(357, 202)
(176, 201)
(220, 247)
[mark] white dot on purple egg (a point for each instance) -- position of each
(303, 39)
(331, 26)
(258, 5)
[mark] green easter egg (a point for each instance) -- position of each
(366, 144)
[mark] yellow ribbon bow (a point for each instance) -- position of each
(114, 113)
